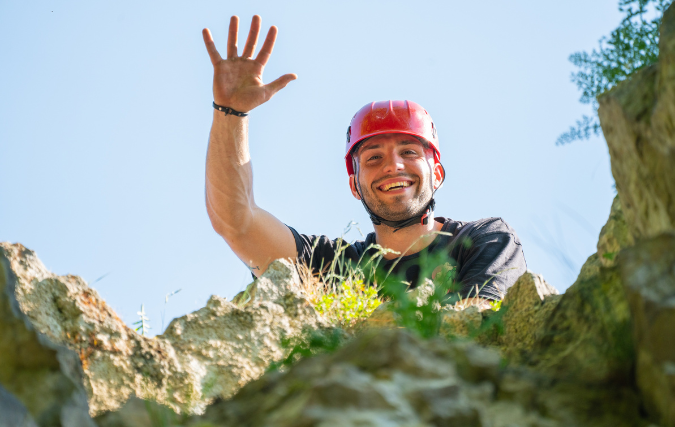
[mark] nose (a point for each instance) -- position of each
(393, 162)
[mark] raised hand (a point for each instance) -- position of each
(237, 80)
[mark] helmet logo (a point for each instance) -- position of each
(434, 133)
(349, 134)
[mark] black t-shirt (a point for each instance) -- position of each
(485, 255)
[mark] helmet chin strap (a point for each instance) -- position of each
(422, 218)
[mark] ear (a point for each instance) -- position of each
(439, 175)
(352, 186)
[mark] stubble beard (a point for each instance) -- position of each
(399, 208)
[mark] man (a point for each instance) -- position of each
(393, 161)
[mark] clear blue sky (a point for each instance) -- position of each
(105, 109)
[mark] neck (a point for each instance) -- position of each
(407, 240)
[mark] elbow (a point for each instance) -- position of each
(232, 226)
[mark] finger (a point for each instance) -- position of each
(267, 47)
(211, 46)
(252, 39)
(232, 37)
(280, 83)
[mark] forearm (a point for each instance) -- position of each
(254, 235)
(229, 176)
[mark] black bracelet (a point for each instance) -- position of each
(228, 110)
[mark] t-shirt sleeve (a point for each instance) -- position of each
(314, 251)
(491, 261)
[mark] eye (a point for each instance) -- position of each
(375, 157)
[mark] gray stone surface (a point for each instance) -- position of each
(45, 377)
(389, 377)
(528, 304)
(385, 377)
(614, 235)
(204, 355)
(637, 120)
(12, 412)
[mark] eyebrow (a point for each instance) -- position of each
(406, 142)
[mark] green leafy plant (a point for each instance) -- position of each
(352, 301)
(629, 48)
(309, 344)
(343, 291)
(420, 310)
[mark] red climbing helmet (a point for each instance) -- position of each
(381, 117)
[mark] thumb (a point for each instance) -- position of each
(280, 83)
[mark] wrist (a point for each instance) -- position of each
(228, 111)
(229, 121)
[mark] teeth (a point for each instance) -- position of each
(396, 184)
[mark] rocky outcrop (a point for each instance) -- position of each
(568, 359)
(648, 273)
(460, 323)
(386, 377)
(637, 119)
(12, 412)
(583, 336)
(389, 377)
(206, 354)
(527, 306)
(614, 235)
(40, 380)
(587, 337)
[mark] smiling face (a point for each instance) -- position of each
(397, 175)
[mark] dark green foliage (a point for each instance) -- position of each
(491, 328)
(311, 343)
(425, 319)
(630, 47)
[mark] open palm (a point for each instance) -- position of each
(237, 80)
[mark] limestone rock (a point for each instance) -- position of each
(12, 411)
(527, 305)
(37, 375)
(280, 279)
(389, 377)
(139, 413)
(614, 235)
(637, 119)
(384, 377)
(460, 323)
(382, 317)
(587, 337)
(206, 354)
(648, 273)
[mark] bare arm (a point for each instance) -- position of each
(256, 236)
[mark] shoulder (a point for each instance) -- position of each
(360, 245)
(490, 226)
(322, 242)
